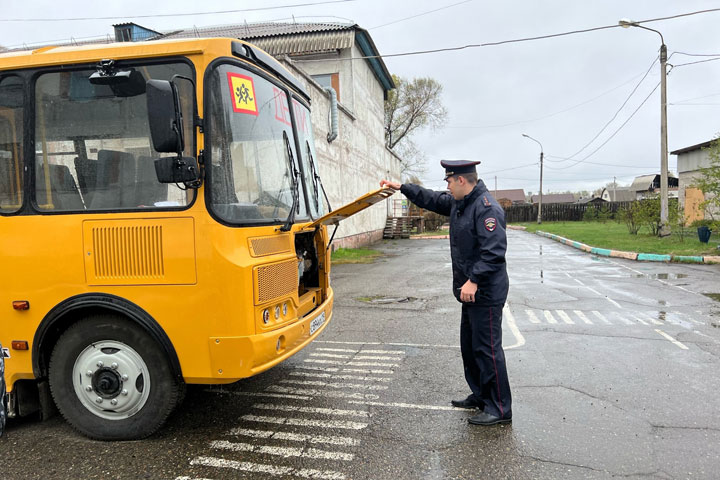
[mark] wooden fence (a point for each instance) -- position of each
(554, 212)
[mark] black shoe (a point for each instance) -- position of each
(468, 402)
(484, 418)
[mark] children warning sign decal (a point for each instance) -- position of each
(242, 90)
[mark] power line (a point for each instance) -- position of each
(519, 40)
(617, 112)
(419, 15)
(693, 63)
(160, 15)
(616, 131)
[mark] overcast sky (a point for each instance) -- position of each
(561, 91)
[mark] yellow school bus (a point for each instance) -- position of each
(162, 222)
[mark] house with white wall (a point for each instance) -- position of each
(690, 161)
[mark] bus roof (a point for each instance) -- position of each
(92, 53)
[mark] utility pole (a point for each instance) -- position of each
(664, 225)
(539, 217)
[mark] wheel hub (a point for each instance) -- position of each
(111, 380)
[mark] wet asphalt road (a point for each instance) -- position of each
(614, 367)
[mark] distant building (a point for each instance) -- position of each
(509, 197)
(690, 160)
(554, 198)
(646, 186)
(618, 194)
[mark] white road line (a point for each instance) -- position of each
(320, 383)
(258, 394)
(578, 281)
(684, 347)
(532, 317)
(322, 393)
(341, 377)
(408, 405)
(383, 352)
(549, 316)
(329, 355)
(285, 452)
(645, 275)
(296, 437)
(639, 319)
(599, 294)
(601, 317)
(368, 370)
(314, 410)
(372, 364)
(269, 469)
(683, 314)
(306, 422)
(520, 340)
(319, 369)
(652, 320)
(324, 362)
(366, 357)
(565, 317)
(582, 317)
(347, 350)
(392, 344)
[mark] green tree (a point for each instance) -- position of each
(709, 181)
(413, 105)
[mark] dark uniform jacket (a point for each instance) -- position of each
(477, 239)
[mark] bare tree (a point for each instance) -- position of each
(413, 105)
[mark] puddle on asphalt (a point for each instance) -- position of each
(661, 276)
(714, 296)
(381, 299)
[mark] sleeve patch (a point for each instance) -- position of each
(490, 224)
(486, 202)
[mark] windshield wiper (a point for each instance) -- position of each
(295, 190)
(317, 181)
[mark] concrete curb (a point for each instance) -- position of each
(641, 257)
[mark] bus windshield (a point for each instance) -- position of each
(252, 178)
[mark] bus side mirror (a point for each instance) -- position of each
(164, 117)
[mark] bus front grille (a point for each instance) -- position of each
(261, 246)
(275, 280)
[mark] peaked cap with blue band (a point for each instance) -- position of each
(457, 167)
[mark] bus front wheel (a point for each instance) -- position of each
(111, 381)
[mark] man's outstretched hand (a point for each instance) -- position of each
(393, 185)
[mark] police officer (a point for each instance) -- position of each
(480, 282)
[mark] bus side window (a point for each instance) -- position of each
(11, 123)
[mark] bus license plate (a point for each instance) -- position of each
(317, 323)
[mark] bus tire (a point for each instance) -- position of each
(111, 380)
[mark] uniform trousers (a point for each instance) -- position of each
(484, 358)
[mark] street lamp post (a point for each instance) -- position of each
(539, 217)
(664, 225)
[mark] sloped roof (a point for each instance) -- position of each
(514, 195)
(622, 194)
(555, 198)
(282, 38)
(699, 146)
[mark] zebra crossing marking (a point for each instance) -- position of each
(286, 452)
(582, 317)
(340, 377)
(532, 317)
(306, 422)
(268, 469)
(313, 410)
(601, 317)
(296, 437)
(320, 383)
(549, 316)
(565, 317)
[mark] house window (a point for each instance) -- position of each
(329, 80)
